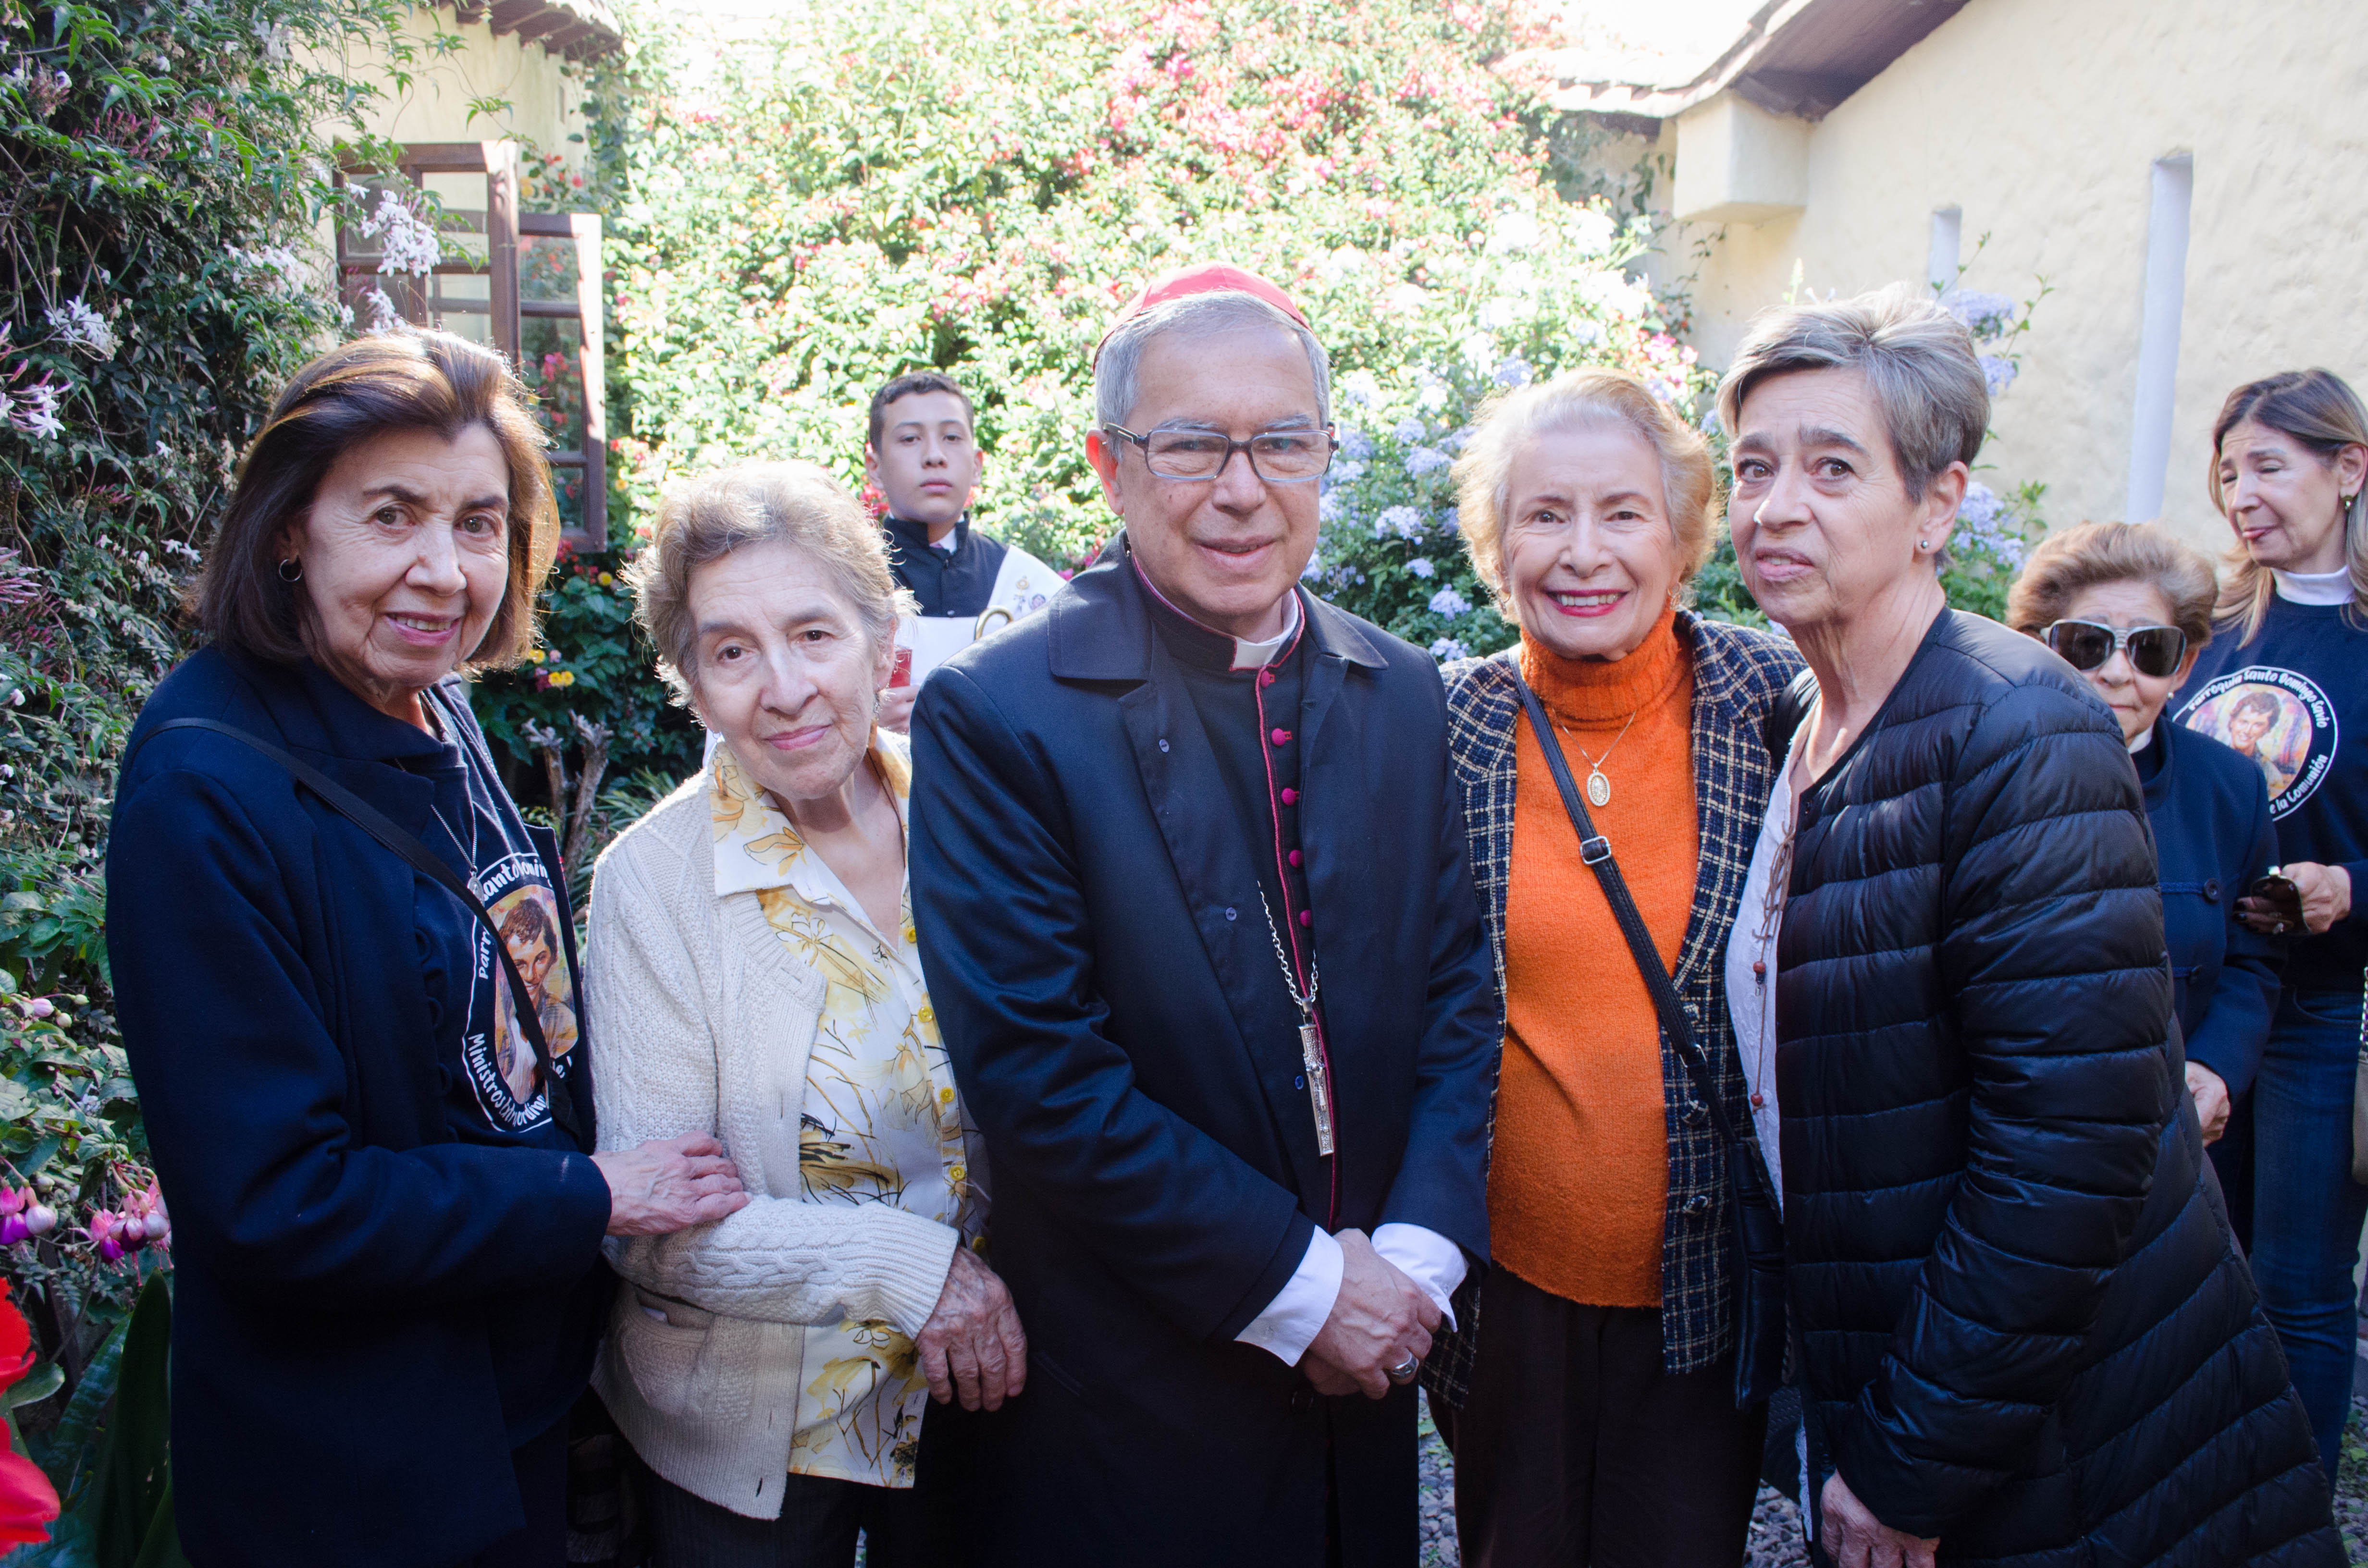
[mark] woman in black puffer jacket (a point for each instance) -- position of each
(2025, 1335)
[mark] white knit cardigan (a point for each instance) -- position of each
(705, 1020)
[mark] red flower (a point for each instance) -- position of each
(28, 1501)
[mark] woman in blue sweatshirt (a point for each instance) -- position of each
(2130, 609)
(2286, 684)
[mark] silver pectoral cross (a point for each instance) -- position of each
(1319, 1084)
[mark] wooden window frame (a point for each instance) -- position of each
(417, 300)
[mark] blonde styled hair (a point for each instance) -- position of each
(2066, 565)
(1580, 400)
(2319, 410)
(707, 518)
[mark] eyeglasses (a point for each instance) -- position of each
(1278, 456)
(2084, 645)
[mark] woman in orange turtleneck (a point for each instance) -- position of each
(1598, 1422)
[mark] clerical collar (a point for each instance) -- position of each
(2315, 587)
(912, 536)
(1217, 649)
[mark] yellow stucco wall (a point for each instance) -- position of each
(2041, 119)
(544, 101)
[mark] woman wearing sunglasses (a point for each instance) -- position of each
(2131, 607)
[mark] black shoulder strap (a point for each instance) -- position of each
(424, 860)
(1595, 850)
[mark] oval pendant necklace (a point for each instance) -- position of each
(1599, 787)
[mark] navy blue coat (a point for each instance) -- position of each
(340, 1258)
(1089, 923)
(2210, 811)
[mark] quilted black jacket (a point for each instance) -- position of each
(2024, 1326)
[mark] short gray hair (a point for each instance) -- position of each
(706, 518)
(1208, 315)
(1919, 361)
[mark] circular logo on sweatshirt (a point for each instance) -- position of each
(2279, 718)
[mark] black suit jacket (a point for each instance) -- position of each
(1090, 926)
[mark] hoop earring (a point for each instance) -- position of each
(291, 569)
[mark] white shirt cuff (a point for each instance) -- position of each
(1428, 1258)
(1296, 1314)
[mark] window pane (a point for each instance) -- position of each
(551, 362)
(547, 267)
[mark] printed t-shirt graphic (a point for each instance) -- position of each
(516, 893)
(2280, 719)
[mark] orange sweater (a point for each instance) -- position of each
(1580, 1172)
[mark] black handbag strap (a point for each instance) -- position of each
(1595, 850)
(428, 864)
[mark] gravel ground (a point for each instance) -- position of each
(1775, 1523)
(2351, 1487)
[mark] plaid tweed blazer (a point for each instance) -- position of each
(1739, 673)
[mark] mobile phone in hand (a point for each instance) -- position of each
(2278, 891)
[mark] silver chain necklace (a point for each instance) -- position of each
(1311, 1045)
(1599, 787)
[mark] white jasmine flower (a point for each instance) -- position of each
(36, 413)
(410, 245)
(80, 327)
(382, 314)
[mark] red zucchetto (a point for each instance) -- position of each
(1202, 277)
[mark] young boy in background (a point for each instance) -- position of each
(923, 456)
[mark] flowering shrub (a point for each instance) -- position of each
(888, 193)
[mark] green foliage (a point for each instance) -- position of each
(164, 167)
(886, 192)
(110, 1455)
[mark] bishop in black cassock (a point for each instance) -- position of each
(1147, 826)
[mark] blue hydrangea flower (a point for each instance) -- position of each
(1424, 460)
(1332, 507)
(1447, 650)
(1980, 508)
(1403, 521)
(1355, 445)
(1421, 566)
(1985, 315)
(1449, 603)
(1314, 568)
(1409, 431)
(1998, 372)
(1514, 372)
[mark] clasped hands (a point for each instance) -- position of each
(1380, 1320)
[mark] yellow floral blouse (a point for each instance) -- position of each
(882, 1122)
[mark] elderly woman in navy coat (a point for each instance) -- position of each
(388, 1217)
(2129, 608)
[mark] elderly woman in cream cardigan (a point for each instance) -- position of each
(752, 939)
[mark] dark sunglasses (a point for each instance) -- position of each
(2084, 645)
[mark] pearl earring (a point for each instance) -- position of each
(1923, 544)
